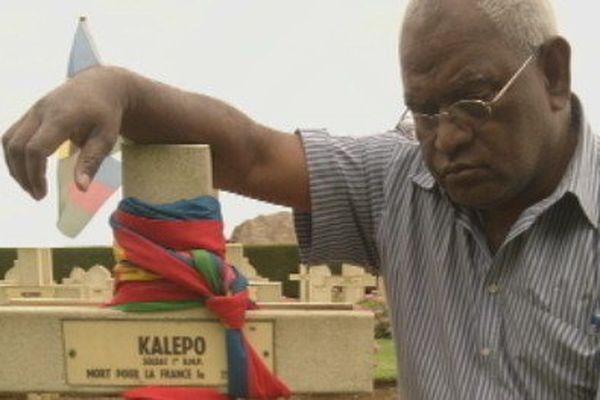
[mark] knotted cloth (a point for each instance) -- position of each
(172, 257)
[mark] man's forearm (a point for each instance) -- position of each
(247, 157)
(96, 105)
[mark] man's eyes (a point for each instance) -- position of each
(478, 91)
(479, 95)
(481, 90)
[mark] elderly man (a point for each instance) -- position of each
(485, 230)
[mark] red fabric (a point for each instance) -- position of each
(231, 309)
(173, 393)
(180, 276)
(178, 234)
(263, 384)
(140, 251)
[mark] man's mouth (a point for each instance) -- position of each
(455, 169)
(460, 171)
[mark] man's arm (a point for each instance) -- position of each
(93, 107)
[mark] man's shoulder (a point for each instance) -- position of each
(391, 155)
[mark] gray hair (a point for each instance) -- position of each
(525, 24)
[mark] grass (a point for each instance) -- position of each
(386, 370)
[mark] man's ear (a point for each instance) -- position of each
(555, 62)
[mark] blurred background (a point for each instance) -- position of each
(287, 63)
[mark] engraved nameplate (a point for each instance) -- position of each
(151, 352)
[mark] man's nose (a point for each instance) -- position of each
(451, 137)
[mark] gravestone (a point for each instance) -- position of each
(34, 267)
(260, 288)
(235, 256)
(95, 284)
(318, 285)
(313, 351)
(381, 288)
(303, 278)
(76, 276)
(30, 277)
(11, 277)
(355, 283)
(31, 281)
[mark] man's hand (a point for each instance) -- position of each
(100, 103)
(87, 109)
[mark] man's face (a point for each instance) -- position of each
(503, 161)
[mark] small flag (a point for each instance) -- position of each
(77, 208)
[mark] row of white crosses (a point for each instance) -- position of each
(31, 279)
(318, 285)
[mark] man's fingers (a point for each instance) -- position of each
(15, 145)
(96, 148)
(7, 137)
(36, 155)
(44, 143)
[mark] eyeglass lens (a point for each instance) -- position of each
(467, 113)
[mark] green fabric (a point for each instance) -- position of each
(157, 306)
(207, 265)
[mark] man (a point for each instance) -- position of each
(486, 230)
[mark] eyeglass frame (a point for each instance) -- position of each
(486, 105)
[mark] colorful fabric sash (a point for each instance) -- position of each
(171, 257)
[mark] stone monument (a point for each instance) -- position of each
(31, 281)
(261, 289)
(68, 350)
(318, 285)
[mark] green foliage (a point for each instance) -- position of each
(276, 262)
(65, 259)
(376, 303)
(386, 370)
(7, 258)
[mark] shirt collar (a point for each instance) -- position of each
(582, 175)
(423, 178)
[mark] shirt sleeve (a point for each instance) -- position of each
(346, 187)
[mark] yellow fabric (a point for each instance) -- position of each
(65, 150)
(129, 272)
(118, 252)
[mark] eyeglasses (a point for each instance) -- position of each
(465, 113)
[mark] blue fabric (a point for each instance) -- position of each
(199, 208)
(237, 363)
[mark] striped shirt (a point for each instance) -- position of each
(468, 324)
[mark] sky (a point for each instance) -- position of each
(287, 63)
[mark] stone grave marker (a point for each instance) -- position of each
(355, 281)
(235, 256)
(76, 277)
(31, 276)
(99, 283)
(68, 350)
(11, 277)
(318, 285)
(34, 267)
(303, 277)
(260, 288)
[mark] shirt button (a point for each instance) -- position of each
(493, 288)
(486, 352)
